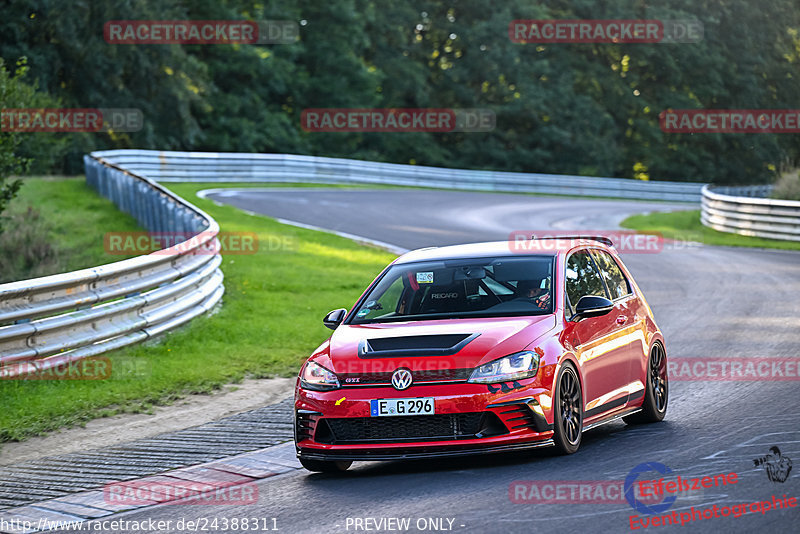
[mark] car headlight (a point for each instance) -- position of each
(317, 378)
(516, 366)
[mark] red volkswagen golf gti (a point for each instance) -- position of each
(477, 349)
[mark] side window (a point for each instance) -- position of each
(583, 277)
(386, 305)
(617, 283)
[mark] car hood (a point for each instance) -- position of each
(431, 345)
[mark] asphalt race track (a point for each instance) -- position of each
(710, 302)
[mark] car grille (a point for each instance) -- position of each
(407, 428)
(436, 375)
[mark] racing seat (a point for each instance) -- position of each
(445, 299)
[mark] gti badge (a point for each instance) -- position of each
(401, 379)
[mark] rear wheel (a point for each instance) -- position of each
(324, 466)
(568, 418)
(656, 395)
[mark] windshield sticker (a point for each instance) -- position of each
(363, 312)
(425, 277)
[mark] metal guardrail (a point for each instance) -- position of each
(234, 167)
(62, 318)
(57, 319)
(745, 211)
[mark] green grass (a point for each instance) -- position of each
(72, 220)
(271, 319)
(686, 226)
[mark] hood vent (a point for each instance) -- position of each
(435, 345)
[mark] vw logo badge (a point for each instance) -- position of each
(401, 379)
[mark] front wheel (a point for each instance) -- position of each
(323, 466)
(656, 395)
(568, 418)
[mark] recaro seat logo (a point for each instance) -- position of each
(401, 379)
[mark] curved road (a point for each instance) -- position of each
(709, 302)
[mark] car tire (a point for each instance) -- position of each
(656, 396)
(324, 466)
(568, 406)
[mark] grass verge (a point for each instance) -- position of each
(271, 319)
(686, 226)
(55, 225)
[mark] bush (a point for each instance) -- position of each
(788, 186)
(21, 153)
(25, 249)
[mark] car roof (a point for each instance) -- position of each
(535, 247)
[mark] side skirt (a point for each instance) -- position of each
(612, 418)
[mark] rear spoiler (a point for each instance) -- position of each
(602, 239)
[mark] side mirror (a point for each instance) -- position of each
(590, 306)
(334, 318)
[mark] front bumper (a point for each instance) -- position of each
(470, 419)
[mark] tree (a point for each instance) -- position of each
(10, 163)
(21, 151)
(581, 108)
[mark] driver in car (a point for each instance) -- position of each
(533, 290)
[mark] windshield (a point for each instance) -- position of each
(480, 287)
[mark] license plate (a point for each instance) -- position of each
(390, 407)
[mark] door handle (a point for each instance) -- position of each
(622, 319)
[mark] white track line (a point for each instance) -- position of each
(394, 249)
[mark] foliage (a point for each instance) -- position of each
(21, 152)
(788, 186)
(10, 162)
(25, 248)
(561, 108)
